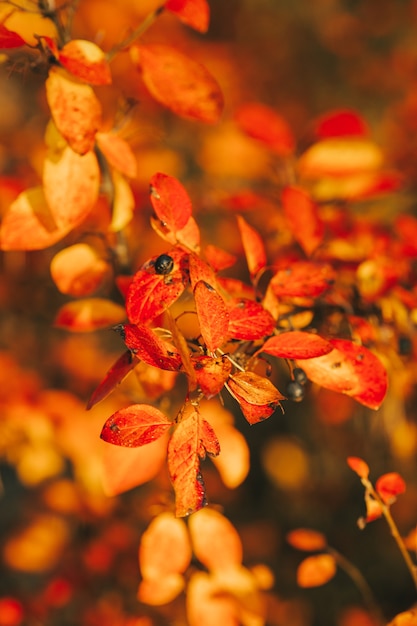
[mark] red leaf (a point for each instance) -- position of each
(248, 319)
(358, 466)
(343, 123)
(255, 413)
(85, 60)
(303, 279)
(211, 373)
(303, 218)
(118, 371)
(179, 83)
(170, 201)
(219, 259)
(389, 486)
(189, 442)
(297, 344)
(118, 153)
(75, 109)
(89, 314)
(212, 315)
(147, 346)
(28, 224)
(10, 39)
(189, 236)
(253, 246)
(264, 124)
(150, 294)
(351, 369)
(194, 13)
(200, 270)
(135, 426)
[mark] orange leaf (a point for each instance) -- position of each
(216, 542)
(297, 344)
(264, 124)
(303, 279)
(71, 186)
(200, 270)
(118, 371)
(28, 223)
(125, 468)
(303, 218)
(123, 203)
(219, 259)
(147, 346)
(212, 315)
(170, 201)
(10, 39)
(211, 373)
(190, 441)
(350, 369)
(74, 108)
(194, 13)
(78, 270)
(340, 157)
(253, 246)
(257, 396)
(85, 60)
(151, 293)
(343, 123)
(255, 413)
(118, 153)
(358, 466)
(306, 539)
(373, 511)
(161, 590)
(389, 486)
(179, 83)
(164, 547)
(248, 319)
(135, 426)
(316, 570)
(189, 236)
(89, 314)
(207, 604)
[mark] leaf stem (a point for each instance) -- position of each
(138, 32)
(360, 582)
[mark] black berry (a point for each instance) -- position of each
(164, 264)
(295, 391)
(299, 375)
(405, 345)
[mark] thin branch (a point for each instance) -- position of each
(138, 32)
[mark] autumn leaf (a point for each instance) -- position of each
(123, 204)
(200, 270)
(28, 224)
(10, 39)
(303, 218)
(255, 413)
(303, 279)
(75, 109)
(89, 314)
(341, 123)
(115, 375)
(150, 294)
(79, 270)
(192, 438)
(340, 157)
(316, 570)
(118, 153)
(248, 319)
(267, 126)
(145, 344)
(389, 486)
(218, 258)
(296, 344)
(194, 13)
(215, 541)
(170, 201)
(179, 82)
(358, 466)
(212, 315)
(211, 373)
(306, 539)
(257, 396)
(189, 236)
(135, 426)
(86, 61)
(253, 247)
(351, 369)
(207, 604)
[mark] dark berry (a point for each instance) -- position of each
(299, 375)
(164, 264)
(405, 345)
(295, 391)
